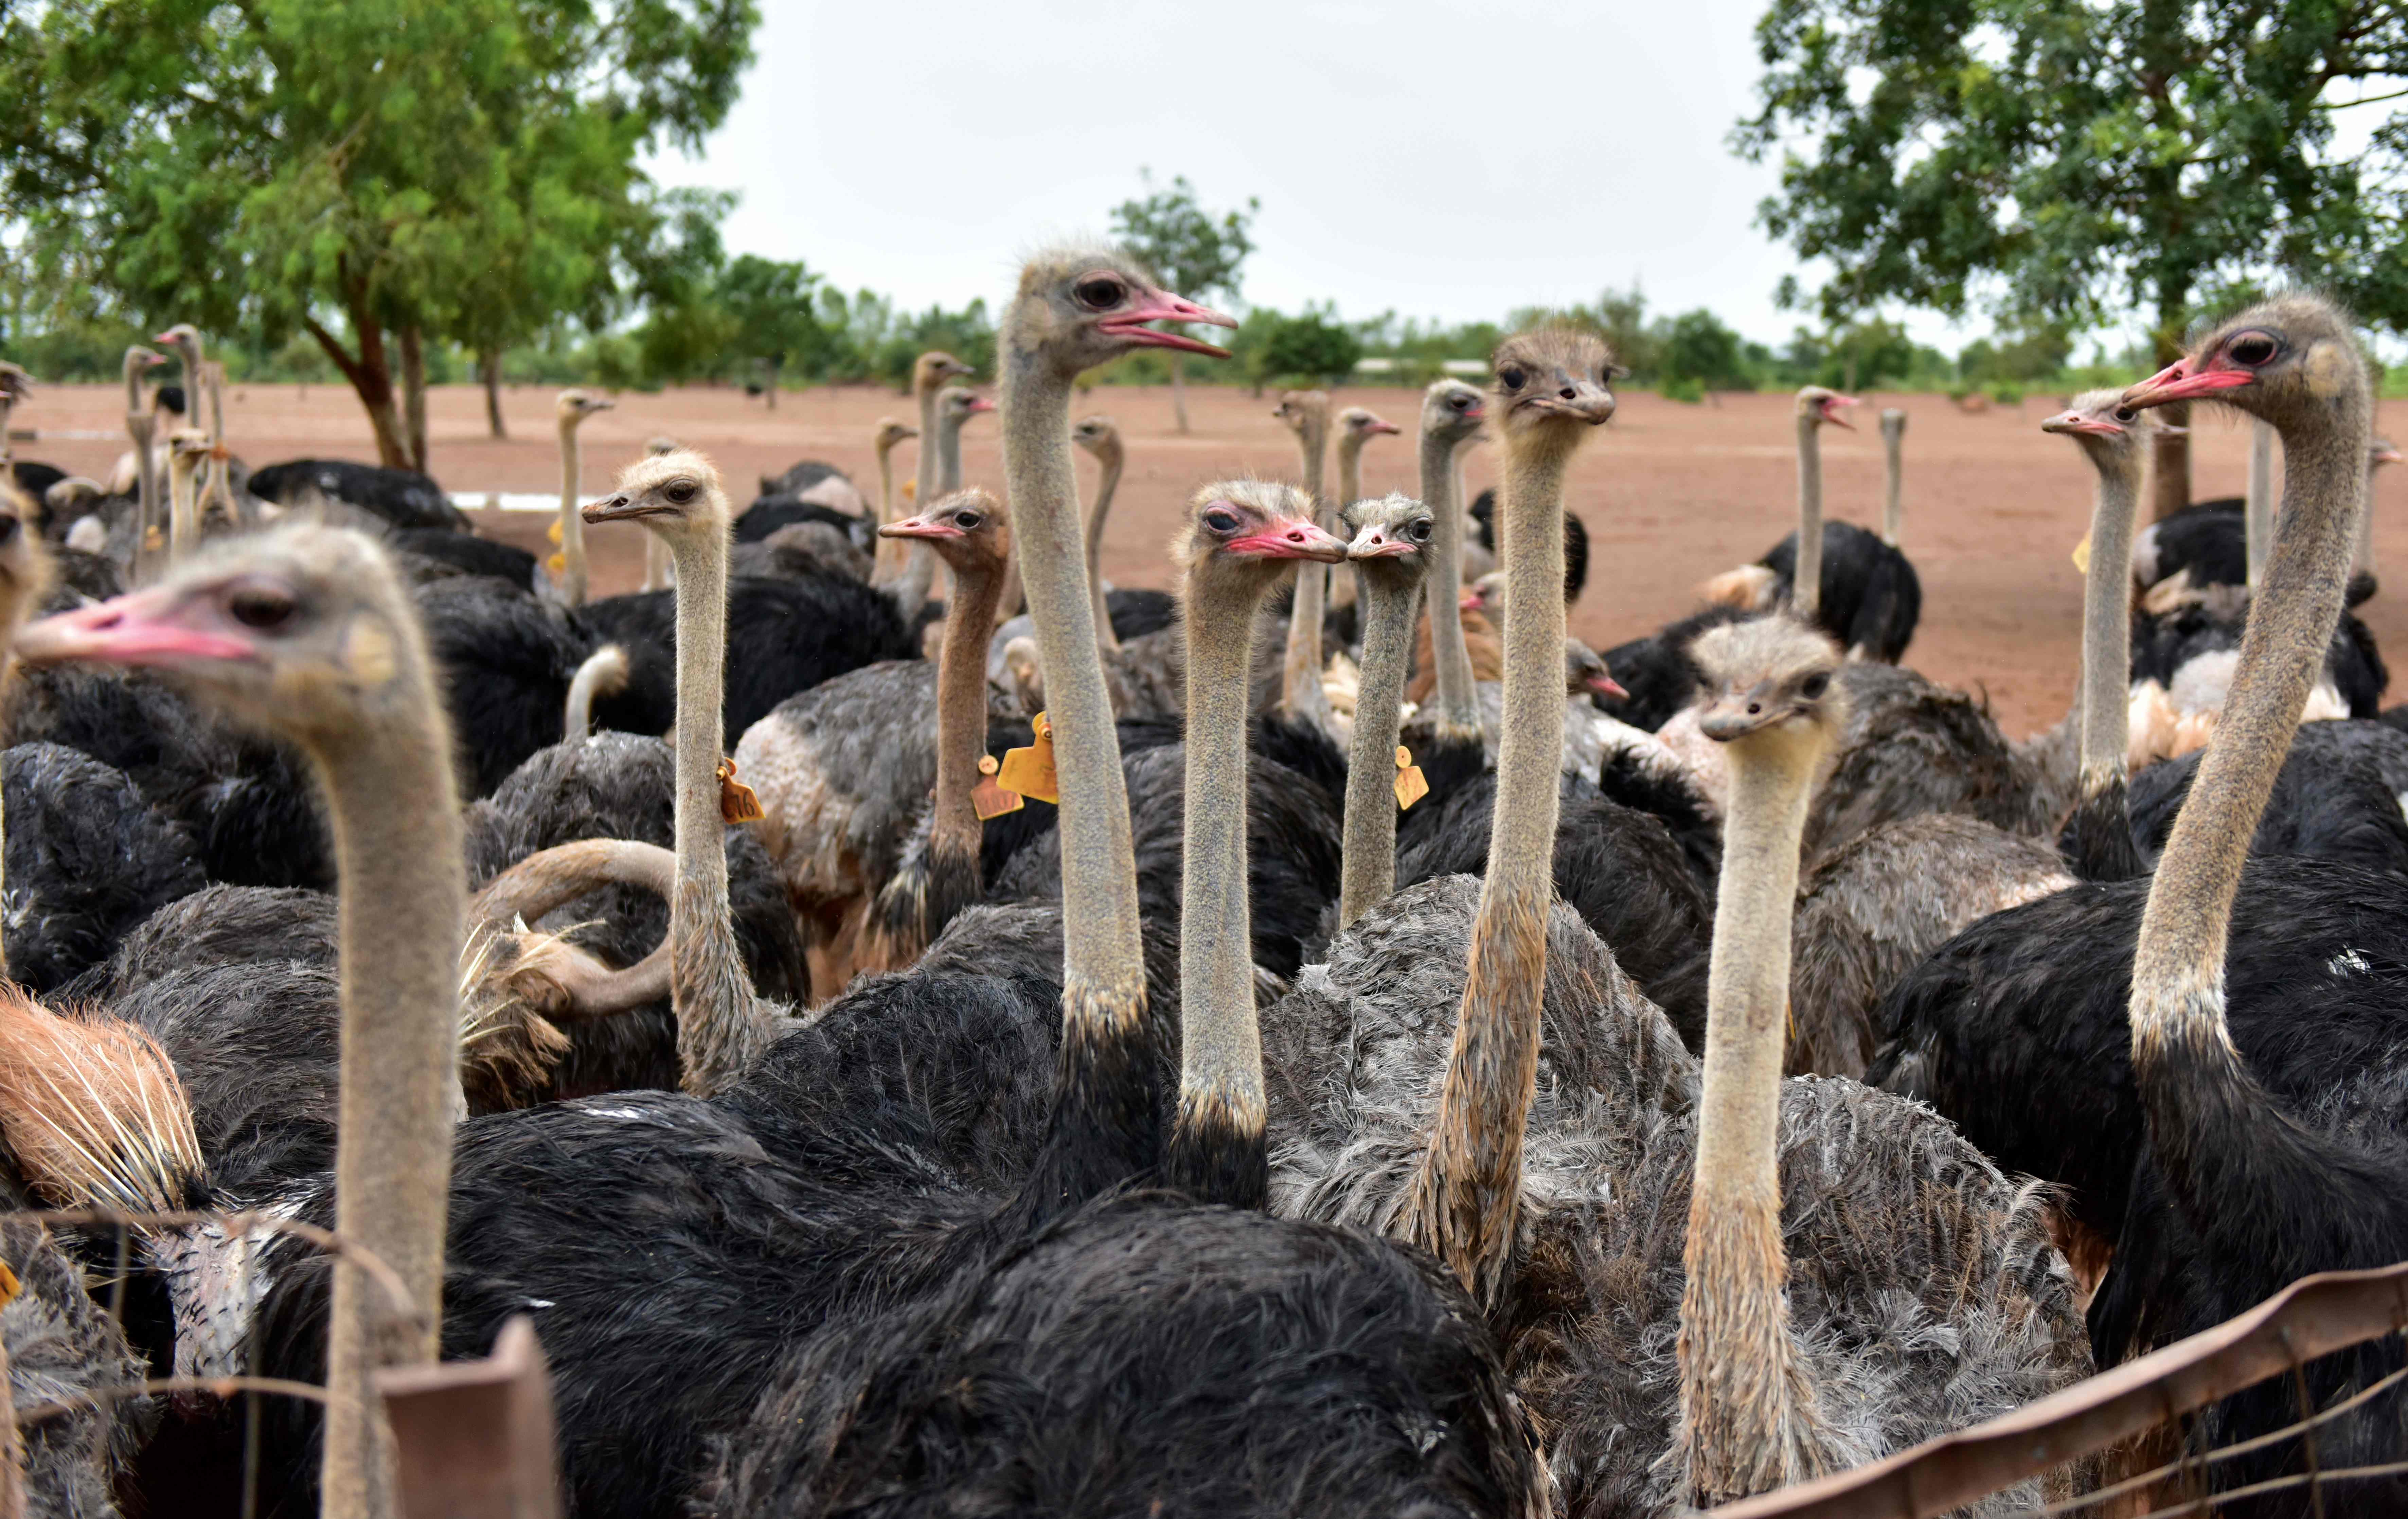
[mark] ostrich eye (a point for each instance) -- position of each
(967, 520)
(1221, 521)
(682, 492)
(1511, 377)
(1461, 403)
(2124, 413)
(1101, 293)
(263, 607)
(1418, 530)
(2252, 349)
(1813, 687)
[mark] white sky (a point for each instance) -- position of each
(1447, 160)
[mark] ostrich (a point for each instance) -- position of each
(2380, 452)
(1357, 427)
(1893, 431)
(1869, 598)
(939, 875)
(1306, 413)
(186, 450)
(1389, 547)
(570, 412)
(929, 374)
(1483, 513)
(1241, 536)
(952, 407)
(309, 633)
(1118, 613)
(510, 663)
(400, 497)
(1452, 413)
(657, 554)
(892, 552)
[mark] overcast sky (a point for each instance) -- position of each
(1437, 159)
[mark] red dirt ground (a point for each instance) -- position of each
(1671, 492)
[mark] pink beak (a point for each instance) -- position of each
(979, 404)
(1606, 685)
(1162, 306)
(1292, 537)
(921, 527)
(1832, 404)
(2179, 382)
(2075, 422)
(124, 630)
(1469, 601)
(1379, 547)
(2386, 454)
(1375, 426)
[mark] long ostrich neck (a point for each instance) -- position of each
(1098, 1136)
(2225, 1147)
(1367, 866)
(139, 428)
(1470, 1181)
(892, 554)
(919, 571)
(572, 526)
(1806, 583)
(2258, 505)
(1216, 1149)
(1106, 483)
(2107, 621)
(949, 453)
(2362, 562)
(1458, 705)
(183, 512)
(961, 708)
(397, 851)
(1301, 695)
(1744, 1398)
(1350, 468)
(720, 1024)
(1894, 483)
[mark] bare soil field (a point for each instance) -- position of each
(1672, 492)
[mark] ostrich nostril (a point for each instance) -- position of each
(1568, 392)
(1754, 708)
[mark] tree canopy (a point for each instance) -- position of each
(2063, 164)
(363, 170)
(1198, 253)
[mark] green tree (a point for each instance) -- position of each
(773, 317)
(380, 174)
(1312, 349)
(1699, 349)
(1198, 253)
(2073, 160)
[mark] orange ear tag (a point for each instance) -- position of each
(1410, 785)
(988, 799)
(556, 564)
(9, 1285)
(736, 803)
(1030, 771)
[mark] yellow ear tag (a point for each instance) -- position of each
(554, 531)
(557, 564)
(1030, 771)
(988, 799)
(736, 803)
(2082, 555)
(1411, 786)
(156, 540)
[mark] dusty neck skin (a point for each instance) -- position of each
(722, 1026)
(961, 707)
(1108, 457)
(2106, 619)
(1469, 1191)
(1103, 969)
(2258, 505)
(572, 526)
(1350, 466)
(396, 819)
(1806, 584)
(1221, 1057)
(2178, 969)
(1892, 426)
(919, 572)
(1747, 1405)
(1367, 866)
(183, 511)
(1302, 698)
(1457, 704)
(890, 554)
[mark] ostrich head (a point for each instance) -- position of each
(2110, 432)
(2288, 360)
(890, 431)
(1363, 424)
(662, 444)
(1082, 305)
(1305, 412)
(185, 340)
(1820, 404)
(1247, 530)
(933, 369)
(305, 632)
(1774, 677)
(1098, 436)
(1452, 411)
(1390, 533)
(967, 530)
(16, 387)
(957, 406)
(677, 495)
(574, 407)
(1551, 383)
(1587, 674)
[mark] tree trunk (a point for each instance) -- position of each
(489, 369)
(413, 396)
(2170, 474)
(1178, 392)
(371, 381)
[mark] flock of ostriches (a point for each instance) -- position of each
(1323, 1043)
